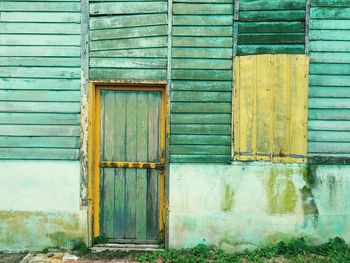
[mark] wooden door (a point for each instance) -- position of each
(131, 165)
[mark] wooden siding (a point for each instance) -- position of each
(270, 108)
(39, 79)
(271, 27)
(329, 89)
(201, 75)
(128, 40)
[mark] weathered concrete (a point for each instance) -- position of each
(41, 205)
(245, 205)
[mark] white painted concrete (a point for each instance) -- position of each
(50, 186)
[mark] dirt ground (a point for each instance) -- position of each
(56, 257)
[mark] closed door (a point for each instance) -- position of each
(131, 165)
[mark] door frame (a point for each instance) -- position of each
(94, 166)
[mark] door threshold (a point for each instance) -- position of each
(126, 247)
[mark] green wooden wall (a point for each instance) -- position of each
(329, 91)
(271, 27)
(39, 79)
(201, 75)
(128, 39)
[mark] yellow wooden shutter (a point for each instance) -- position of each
(270, 108)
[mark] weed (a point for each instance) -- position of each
(297, 250)
(101, 239)
(80, 247)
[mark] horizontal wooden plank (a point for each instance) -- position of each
(198, 118)
(329, 80)
(329, 57)
(273, 38)
(40, 28)
(47, 107)
(40, 130)
(105, 22)
(204, 31)
(204, 1)
(330, 3)
(201, 53)
(204, 129)
(329, 103)
(331, 34)
(199, 96)
(328, 136)
(200, 139)
(40, 6)
(40, 51)
(129, 43)
(329, 92)
(39, 118)
(329, 24)
(326, 69)
(330, 13)
(40, 84)
(194, 63)
(39, 154)
(34, 95)
(329, 114)
(140, 31)
(40, 40)
(271, 27)
(329, 147)
(39, 142)
(273, 15)
(199, 149)
(40, 61)
(202, 9)
(39, 72)
(271, 5)
(201, 85)
(106, 8)
(42, 17)
(147, 63)
(201, 107)
(330, 46)
(144, 74)
(203, 20)
(327, 125)
(210, 42)
(131, 53)
(199, 74)
(270, 49)
(200, 158)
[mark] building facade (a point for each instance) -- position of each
(181, 122)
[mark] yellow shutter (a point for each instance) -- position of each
(270, 108)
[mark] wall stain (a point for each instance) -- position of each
(228, 199)
(281, 193)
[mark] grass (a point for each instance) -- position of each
(334, 251)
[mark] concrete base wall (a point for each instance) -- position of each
(246, 205)
(40, 205)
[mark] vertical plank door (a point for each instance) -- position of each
(130, 137)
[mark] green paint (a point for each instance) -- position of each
(40, 79)
(281, 192)
(227, 202)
